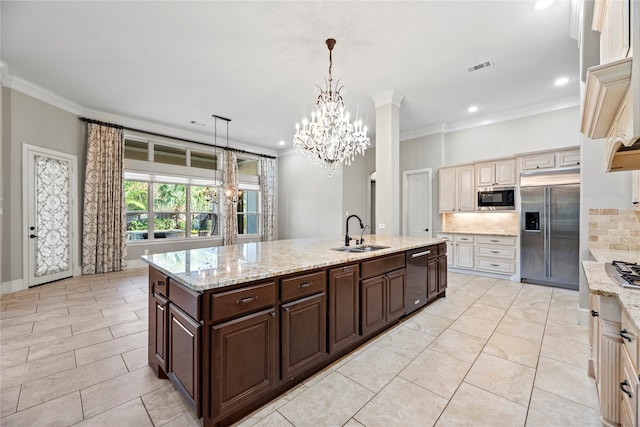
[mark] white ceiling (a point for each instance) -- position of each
(258, 63)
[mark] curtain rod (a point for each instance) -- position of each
(236, 150)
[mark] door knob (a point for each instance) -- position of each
(32, 236)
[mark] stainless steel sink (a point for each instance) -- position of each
(360, 249)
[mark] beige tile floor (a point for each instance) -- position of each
(492, 353)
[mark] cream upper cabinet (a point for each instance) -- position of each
(611, 18)
(496, 173)
(538, 161)
(457, 189)
(635, 176)
(568, 158)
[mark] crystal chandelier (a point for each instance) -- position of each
(329, 139)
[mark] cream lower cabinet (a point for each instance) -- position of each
(464, 251)
(618, 399)
(496, 254)
(629, 381)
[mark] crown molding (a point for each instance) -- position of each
(517, 113)
(44, 95)
(388, 97)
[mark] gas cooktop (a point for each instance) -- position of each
(626, 274)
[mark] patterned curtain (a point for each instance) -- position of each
(268, 182)
(103, 220)
(230, 181)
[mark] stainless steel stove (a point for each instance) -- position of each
(626, 274)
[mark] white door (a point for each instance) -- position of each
(49, 189)
(416, 203)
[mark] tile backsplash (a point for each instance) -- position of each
(481, 222)
(617, 229)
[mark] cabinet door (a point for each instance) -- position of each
(450, 253)
(244, 353)
(344, 303)
(373, 307)
(464, 255)
(432, 278)
(538, 161)
(395, 294)
(442, 273)
(448, 189)
(506, 172)
(568, 158)
(158, 325)
(304, 334)
(184, 355)
(466, 189)
(485, 175)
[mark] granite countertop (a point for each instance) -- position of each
(601, 284)
(479, 233)
(216, 267)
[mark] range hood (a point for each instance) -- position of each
(623, 158)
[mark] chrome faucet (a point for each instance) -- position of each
(346, 237)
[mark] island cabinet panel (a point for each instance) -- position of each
(374, 311)
(244, 354)
(432, 278)
(159, 329)
(303, 334)
(184, 356)
(382, 300)
(344, 307)
(442, 268)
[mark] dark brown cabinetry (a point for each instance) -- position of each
(243, 361)
(303, 318)
(184, 355)
(382, 297)
(159, 318)
(442, 268)
(344, 307)
(231, 349)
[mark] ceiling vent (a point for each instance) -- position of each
(479, 66)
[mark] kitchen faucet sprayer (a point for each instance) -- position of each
(346, 237)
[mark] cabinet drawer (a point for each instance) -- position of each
(382, 265)
(495, 266)
(303, 285)
(496, 240)
(242, 301)
(189, 301)
(541, 161)
(159, 282)
(503, 252)
(628, 330)
(464, 238)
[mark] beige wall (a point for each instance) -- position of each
(27, 120)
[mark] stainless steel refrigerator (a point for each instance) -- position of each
(550, 228)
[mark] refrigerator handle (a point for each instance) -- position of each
(547, 231)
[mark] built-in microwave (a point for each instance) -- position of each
(497, 199)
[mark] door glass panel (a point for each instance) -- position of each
(53, 220)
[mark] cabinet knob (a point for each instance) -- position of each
(272, 314)
(594, 313)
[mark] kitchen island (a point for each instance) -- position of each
(233, 327)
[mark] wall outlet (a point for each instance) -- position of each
(380, 225)
(146, 251)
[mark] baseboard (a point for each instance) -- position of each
(12, 286)
(136, 263)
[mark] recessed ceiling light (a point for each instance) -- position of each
(472, 109)
(561, 81)
(542, 4)
(281, 143)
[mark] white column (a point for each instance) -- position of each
(388, 162)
